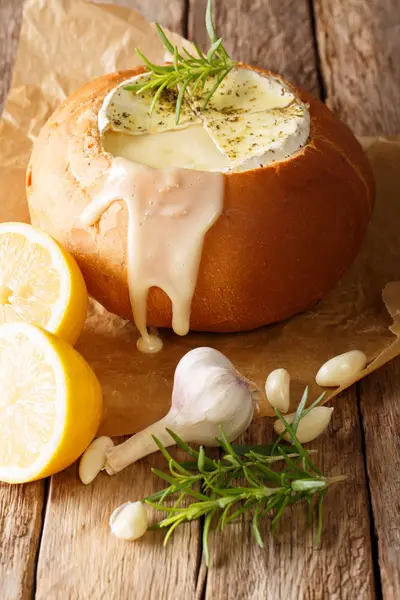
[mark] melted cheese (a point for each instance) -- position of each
(192, 148)
(170, 211)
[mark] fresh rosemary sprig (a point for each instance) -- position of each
(186, 69)
(244, 480)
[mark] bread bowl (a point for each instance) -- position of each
(280, 234)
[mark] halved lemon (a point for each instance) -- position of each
(40, 282)
(50, 403)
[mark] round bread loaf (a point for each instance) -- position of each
(287, 232)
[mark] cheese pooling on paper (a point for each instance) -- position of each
(171, 176)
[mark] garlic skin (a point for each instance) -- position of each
(94, 458)
(310, 427)
(277, 389)
(129, 521)
(208, 393)
(340, 369)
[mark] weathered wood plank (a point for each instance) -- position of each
(266, 33)
(380, 409)
(10, 22)
(360, 57)
(359, 45)
(21, 508)
(80, 559)
(291, 567)
(171, 14)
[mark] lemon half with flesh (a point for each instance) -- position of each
(50, 403)
(40, 282)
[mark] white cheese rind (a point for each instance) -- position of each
(265, 137)
(251, 121)
(124, 110)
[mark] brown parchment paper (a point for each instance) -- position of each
(67, 42)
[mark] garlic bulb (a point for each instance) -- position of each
(277, 389)
(129, 521)
(94, 458)
(341, 369)
(310, 426)
(208, 393)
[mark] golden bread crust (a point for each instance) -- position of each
(287, 233)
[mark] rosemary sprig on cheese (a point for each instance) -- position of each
(187, 71)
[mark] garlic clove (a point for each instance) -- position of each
(341, 369)
(310, 427)
(277, 388)
(94, 459)
(129, 521)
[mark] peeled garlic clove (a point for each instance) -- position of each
(341, 369)
(129, 521)
(94, 459)
(277, 388)
(310, 426)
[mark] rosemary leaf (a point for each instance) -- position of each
(300, 410)
(157, 96)
(164, 38)
(206, 531)
(172, 529)
(199, 52)
(161, 69)
(280, 510)
(255, 528)
(213, 50)
(209, 23)
(182, 90)
(313, 404)
(216, 85)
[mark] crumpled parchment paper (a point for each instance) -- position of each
(63, 44)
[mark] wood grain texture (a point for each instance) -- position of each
(291, 567)
(268, 33)
(359, 45)
(91, 563)
(380, 409)
(21, 508)
(10, 23)
(170, 13)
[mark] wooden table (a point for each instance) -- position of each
(54, 539)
